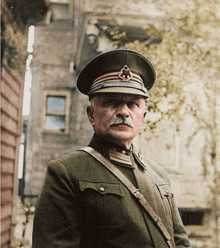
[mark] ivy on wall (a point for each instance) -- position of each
(13, 40)
(15, 49)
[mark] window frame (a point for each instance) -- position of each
(66, 112)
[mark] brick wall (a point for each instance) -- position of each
(11, 104)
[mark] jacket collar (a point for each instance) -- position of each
(103, 146)
(114, 152)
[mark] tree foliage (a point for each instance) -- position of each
(187, 62)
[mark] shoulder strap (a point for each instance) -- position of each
(134, 191)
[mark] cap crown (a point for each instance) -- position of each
(125, 65)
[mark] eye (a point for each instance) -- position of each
(132, 104)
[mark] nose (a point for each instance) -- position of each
(123, 111)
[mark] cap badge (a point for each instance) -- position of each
(125, 74)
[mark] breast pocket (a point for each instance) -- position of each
(102, 202)
(166, 196)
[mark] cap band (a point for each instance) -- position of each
(117, 84)
(123, 78)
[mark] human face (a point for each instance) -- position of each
(117, 117)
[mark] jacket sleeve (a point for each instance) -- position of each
(57, 216)
(180, 236)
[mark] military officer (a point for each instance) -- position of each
(83, 204)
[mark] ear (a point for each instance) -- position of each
(90, 111)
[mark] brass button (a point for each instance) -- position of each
(102, 189)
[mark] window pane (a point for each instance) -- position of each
(192, 217)
(56, 103)
(56, 122)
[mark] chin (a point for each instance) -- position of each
(122, 134)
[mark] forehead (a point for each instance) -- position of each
(118, 96)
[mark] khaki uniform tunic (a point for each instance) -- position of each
(83, 205)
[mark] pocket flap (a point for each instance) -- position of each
(102, 188)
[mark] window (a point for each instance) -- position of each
(192, 217)
(56, 114)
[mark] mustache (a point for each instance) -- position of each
(121, 121)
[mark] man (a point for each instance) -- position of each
(83, 204)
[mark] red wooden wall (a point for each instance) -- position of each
(11, 105)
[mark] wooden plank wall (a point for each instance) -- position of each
(11, 105)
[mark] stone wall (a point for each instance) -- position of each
(53, 56)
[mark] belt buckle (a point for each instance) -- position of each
(137, 194)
